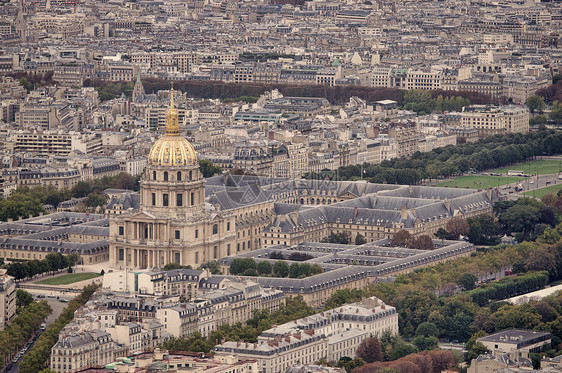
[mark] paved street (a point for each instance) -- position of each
(530, 184)
(55, 304)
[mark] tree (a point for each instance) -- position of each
(341, 238)
(467, 281)
(264, 268)
(360, 239)
(555, 114)
(208, 169)
(536, 104)
(299, 257)
(126, 181)
(425, 343)
(521, 217)
(212, 266)
(281, 269)
(423, 242)
(401, 238)
(315, 269)
(294, 270)
(23, 298)
(241, 265)
(81, 189)
(370, 350)
(457, 227)
(442, 234)
(427, 329)
(95, 200)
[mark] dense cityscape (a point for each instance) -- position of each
(280, 186)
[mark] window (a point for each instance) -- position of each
(228, 226)
(197, 233)
(228, 249)
(165, 175)
(215, 229)
(121, 254)
(165, 199)
(153, 175)
(179, 176)
(153, 199)
(121, 231)
(179, 200)
(192, 198)
(177, 235)
(190, 175)
(196, 257)
(145, 232)
(215, 252)
(177, 257)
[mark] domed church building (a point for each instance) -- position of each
(173, 224)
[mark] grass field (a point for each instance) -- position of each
(539, 193)
(69, 278)
(545, 166)
(479, 182)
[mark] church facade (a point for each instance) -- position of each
(173, 223)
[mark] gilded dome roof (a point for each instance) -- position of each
(172, 149)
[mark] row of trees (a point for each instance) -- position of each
(222, 90)
(403, 238)
(22, 328)
(37, 357)
(434, 361)
(53, 262)
(422, 102)
(509, 287)
(249, 267)
(492, 152)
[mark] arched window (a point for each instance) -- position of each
(153, 175)
(190, 175)
(165, 175)
(179, 176)
(215, 252)
(215, 229)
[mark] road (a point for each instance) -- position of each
(55, 304)
(530, 184)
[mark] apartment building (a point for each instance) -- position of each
(277, 355)
(76, 351)
(494, 120)
(328, 335)
(50, 143)
(406, 136)
(7, 299)
(43, 116)
(180, 321)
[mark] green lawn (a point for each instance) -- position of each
(539, 193)
(545, 166)
(69, 278)
(479, 182)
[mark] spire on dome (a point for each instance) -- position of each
(172, 126)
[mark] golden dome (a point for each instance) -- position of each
(172, 149)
